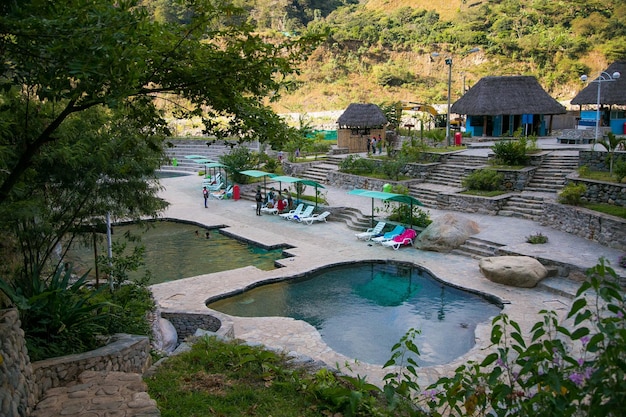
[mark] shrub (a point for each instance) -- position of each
(510, 152)
(484, 180)
(239, 159)
(572, 194)
(619, 170)
(537, 238)
(392, 168)
(354, 164)
(555, 370)
(402, 214)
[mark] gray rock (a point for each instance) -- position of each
(516, 271)
(446, 233)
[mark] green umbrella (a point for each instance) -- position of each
(401, 198)
(258, 174)
(288, 179)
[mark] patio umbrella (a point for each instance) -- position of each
(258, 174)
(288, 179)
(219, 165)
(401, 198)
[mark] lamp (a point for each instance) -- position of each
(448, 62)
(603, 77)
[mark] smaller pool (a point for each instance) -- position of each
(362, 310)
(177, 250)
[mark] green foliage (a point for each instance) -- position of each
(537, 238)
(58, 316)
(612, 143)
(572, 194)
(484, 180)
(402, 213)
(511, 152)
(124, 261)
(392, 167)
(240, 158)
(554, 370)
(354, 164)
(619, 170)
(127, 310)
(412, 152)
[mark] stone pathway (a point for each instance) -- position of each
(99, 394)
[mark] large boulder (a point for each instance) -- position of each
(446, 232)
(516, 271)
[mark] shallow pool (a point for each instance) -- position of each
(177, 250)
(362, 310)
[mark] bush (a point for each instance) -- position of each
(619, 170)
(484, 180)
(239, 159)
(572, 194)
(354, 164)
(537, 238)
(392, 168)
(510, 152)
(555, 370)
(402, 214)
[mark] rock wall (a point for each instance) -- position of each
(472, 204)
(598, 160)
(604, 229)
(350, 181)
(23, 384)
(601, 192)
(186, 324)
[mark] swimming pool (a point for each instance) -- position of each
(176, 250)
(362, 310)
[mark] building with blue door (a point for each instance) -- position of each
(498, 106)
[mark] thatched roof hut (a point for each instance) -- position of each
(512, 95)
(359, 115)
(611, 93)
(357, 124)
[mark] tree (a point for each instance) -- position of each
(81, 127)
(611, 144)
(82, 54)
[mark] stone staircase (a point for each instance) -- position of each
(196, 147)
(477, 248)
(524, 206)
(354, 219)
(319, 172)
(550, 176)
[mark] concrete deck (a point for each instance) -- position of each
(323, 244)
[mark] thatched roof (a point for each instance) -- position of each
(611, 93)
(359, 115)
(520, 94)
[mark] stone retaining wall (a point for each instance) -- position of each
(186, 324)
(601, 192)
(597, 160)
(350, 181)
(517, 179)
(23, 383)
(472, 204)
(604, 229)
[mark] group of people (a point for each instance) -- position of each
(375, 143)
(280, 201)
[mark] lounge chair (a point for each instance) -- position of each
(308, 211)
(214, 187)
(269, 210)
(406, 238)
(220, 195)
(315, 218)
(295, 212)
(389, 235)
(371, 232)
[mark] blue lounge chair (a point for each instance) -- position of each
(398, 230)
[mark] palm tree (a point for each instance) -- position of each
(611, 144)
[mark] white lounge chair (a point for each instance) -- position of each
(214, 187)
(220, 195)
(269, 210)
(315, 218)
(308, 211)
(295, 212)
(371, 232)
(398, 230)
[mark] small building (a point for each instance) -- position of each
(498, 106)
(612, 100)
(358, 123)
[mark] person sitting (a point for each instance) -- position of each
(281, 203)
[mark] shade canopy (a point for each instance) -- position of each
(291, 180)
(258, 174)
(195, 157)
(381, 195)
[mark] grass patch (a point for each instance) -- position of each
(445, 149)
(509, 167)
(610, 209)
(481, 193)
(226, 378)
(597, 176)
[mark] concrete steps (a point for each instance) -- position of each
(354, 219)
(524, 207)
(477, 248)
(319, 172)
(550, 176)
(427, 197)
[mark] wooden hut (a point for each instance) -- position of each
(612, 101)
(358, 123)
(497, 106)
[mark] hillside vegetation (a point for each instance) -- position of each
(382, 50)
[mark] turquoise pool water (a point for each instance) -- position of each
(177, 250)
(362, 310)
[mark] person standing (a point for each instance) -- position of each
(369, 145)
(205, 194)
(259, 199)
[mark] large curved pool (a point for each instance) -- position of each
(361, 310)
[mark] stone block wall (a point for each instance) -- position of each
(517, 179)
(606, 230)
(350, 181)
(186, 324)
(16, 372)
(597, 160)
(601, 192)
(22, 383)
(472, 204)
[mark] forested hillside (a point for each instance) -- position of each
(382, 50)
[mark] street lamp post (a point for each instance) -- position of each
(603, 77)
(448, 62)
